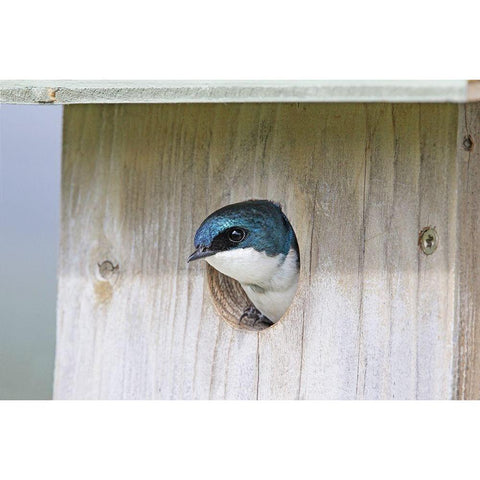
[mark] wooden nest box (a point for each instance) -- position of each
(381, 181)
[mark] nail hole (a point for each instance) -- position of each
(467, 143)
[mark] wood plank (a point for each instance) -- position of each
(437, 207)
(406, 335)
(373, 317)
(182, 91)
(473, 91)
(467, 366)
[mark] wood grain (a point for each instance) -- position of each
(473, 91)
(373, 317)
(468, 257)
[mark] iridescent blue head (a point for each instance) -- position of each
(259, 224)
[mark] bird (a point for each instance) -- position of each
(254, 243)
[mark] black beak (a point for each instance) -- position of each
(200, 252)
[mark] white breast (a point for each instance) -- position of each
(269, 282)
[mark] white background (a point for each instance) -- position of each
(240, 40)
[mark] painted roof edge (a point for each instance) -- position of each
(250, 91)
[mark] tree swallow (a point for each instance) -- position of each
(254, 243)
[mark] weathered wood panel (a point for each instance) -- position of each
(373, 317)
(468, 259)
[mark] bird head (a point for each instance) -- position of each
(257, 224)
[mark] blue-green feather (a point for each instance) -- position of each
(268, 227)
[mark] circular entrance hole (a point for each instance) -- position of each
(230, 300)
(263, 254)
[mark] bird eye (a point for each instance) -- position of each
(236, 235)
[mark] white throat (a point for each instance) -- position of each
(269, 282)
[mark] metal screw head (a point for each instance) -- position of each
(428, 240)
(107, 269)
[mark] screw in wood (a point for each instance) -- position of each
(107, 269)
(467, 143)
(428, 240)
